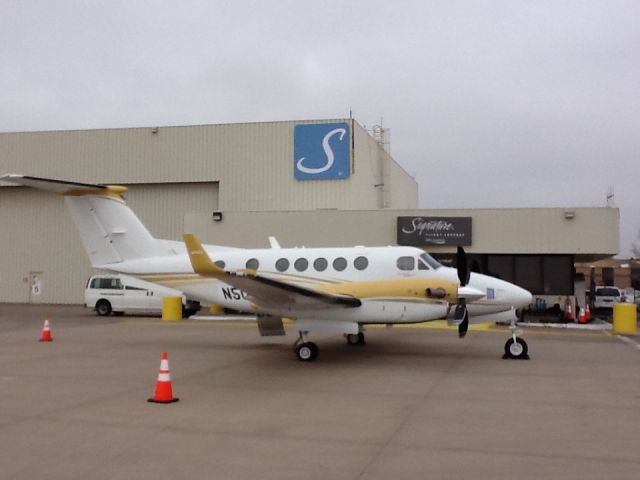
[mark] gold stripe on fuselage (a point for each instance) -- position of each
(398, 288)
(392, 290)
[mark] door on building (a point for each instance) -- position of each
(35, 287)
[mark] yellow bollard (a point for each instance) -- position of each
(172, 308)
(216, 309)
(624, 318)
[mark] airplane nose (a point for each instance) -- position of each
(520, 297)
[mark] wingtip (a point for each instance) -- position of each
(200, 260)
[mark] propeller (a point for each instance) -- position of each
(463, 266)
(461, 315)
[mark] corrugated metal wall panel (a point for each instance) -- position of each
(38, 236)
(253, 162)
(368, 181)
(523, 231)
(403, 189)
(161, 207)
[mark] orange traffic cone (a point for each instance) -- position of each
(164, 392)
(587, 313)
(46, 332)
(582, 317)
(569, 312)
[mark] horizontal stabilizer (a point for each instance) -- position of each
(110, 232)
(63, 187)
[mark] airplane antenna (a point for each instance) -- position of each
(274, 243)
(611, 197)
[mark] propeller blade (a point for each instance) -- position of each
(464, 326)
(461, 317)
(461, 311)
(462, 266)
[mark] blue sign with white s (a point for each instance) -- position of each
(322, 151)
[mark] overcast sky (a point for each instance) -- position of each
(489, 103)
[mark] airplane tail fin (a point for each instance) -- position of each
(110, 231)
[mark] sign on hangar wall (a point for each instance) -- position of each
(322, 151)
(418, 231)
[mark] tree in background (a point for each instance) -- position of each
(635, 247)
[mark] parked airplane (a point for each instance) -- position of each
(322, 289)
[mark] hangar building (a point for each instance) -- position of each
(309, 183)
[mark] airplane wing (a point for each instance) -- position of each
(265, 292)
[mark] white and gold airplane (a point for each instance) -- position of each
(337, 290)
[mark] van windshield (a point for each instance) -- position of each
(608, 292)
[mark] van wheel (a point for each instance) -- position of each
(103, 308)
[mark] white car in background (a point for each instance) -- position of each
(118, 294)
(607, 297)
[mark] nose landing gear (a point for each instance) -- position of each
(306, 351)
(515, 348)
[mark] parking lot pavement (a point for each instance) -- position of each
(413, 403)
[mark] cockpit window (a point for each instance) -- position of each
(406, 263)
(429, 260)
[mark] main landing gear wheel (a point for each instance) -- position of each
(307, 351)
(516, 348)
(355, 338)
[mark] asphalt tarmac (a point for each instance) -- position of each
(412, 403)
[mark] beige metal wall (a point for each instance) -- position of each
(38, 235)
(161, 207)
(253, 162)
(591, 231)
(403, 191)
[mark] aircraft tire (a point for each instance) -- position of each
(307, 351)
(355, 338)
(103, 308)
(516, 350)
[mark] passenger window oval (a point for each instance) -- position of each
(320, 264)
(220, 264)
(360, 263)
(340, 264)
(282, 264)
(252, 264)
(301, 264)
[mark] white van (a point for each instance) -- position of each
(118, 294)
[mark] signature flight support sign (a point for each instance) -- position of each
(322, 151)
(419, 231)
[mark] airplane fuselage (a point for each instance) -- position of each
(323, 267)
